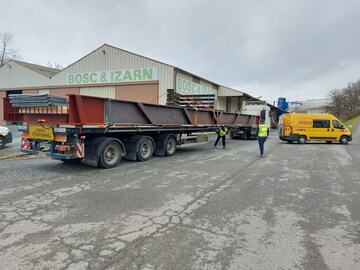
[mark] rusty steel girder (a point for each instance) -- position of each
(88, 110)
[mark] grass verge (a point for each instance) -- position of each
(352, 122)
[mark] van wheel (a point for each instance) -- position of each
(289, 141)
(2, 142)
(344, 139)
(301, 140)
(328, 141)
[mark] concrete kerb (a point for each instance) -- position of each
(13, 155)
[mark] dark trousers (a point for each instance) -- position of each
(223, 140)
(261, 141)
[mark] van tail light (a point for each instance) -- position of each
(291, 129)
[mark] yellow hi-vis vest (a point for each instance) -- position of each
(263, 130)
(222, 132)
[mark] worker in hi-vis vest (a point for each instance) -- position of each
(263, 133)
(221, 134)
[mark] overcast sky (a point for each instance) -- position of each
(297, 49)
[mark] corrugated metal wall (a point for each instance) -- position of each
(65, 91)
(44, 91)
(147, 93)
(234, 105)
(14, 75)
(30, 92)
(101, 91)
(225, 91)
(60, 91)
(221, 103)
(108, 58)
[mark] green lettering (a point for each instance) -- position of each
(137, 75)
(147, 74)
(71, 78)
(86, 78)
(78, 78)
(117, 77)
(103, 77)
(93, 77)
(189, 87)
(179, 84)
(127, 76)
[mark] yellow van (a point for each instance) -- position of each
(299, 127)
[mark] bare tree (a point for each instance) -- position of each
(7, 50)
(346, 102)
(54, 65)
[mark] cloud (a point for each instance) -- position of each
(295, 49)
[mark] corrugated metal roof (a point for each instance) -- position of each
(308, 104)
(46, 71)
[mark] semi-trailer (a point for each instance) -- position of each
(101, 131)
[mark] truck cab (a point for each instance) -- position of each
(257, 108)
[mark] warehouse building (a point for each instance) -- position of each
(115, 73)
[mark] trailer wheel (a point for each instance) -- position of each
(170, 146)
(301, 139)
(145, 149)
(110, 155)
(2, 142)
(344, 139)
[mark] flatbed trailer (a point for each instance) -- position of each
(101, 131)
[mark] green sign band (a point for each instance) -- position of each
(188, 87)
(111, 76)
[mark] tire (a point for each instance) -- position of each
(328, 142)
(145, 149)
(170, 146)
(289, 141)
(344, 139)
(2, 142)
(110, 155)
(301, 140)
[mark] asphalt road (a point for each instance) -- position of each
(204, 208)
(14, 146)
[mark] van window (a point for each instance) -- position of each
(337, 124)
(321, 123)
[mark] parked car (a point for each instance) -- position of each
(5, 136)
